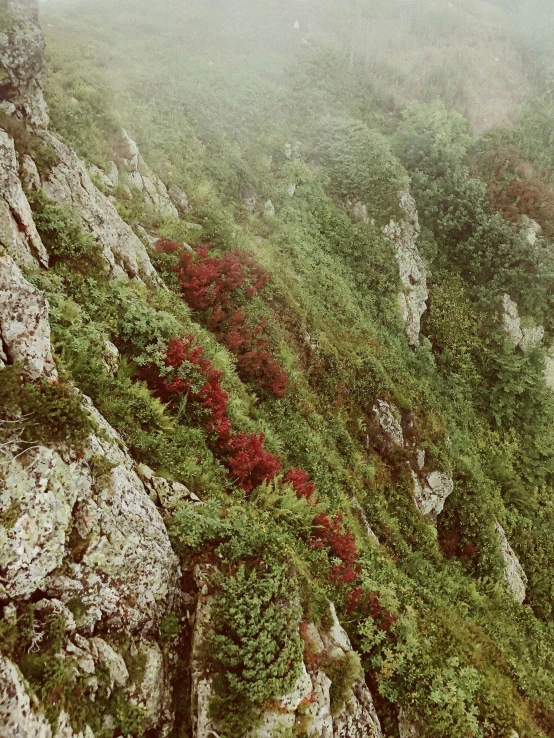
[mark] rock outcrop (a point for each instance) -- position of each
(524, 338)
(68, 183)
(18, 233)
(514, 576)
(431, 496)
(138, 177)
(403, 235)
(389, 422)
(24, 327)
(22, 61)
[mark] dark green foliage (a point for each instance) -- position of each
(254, 647)
(360, 163)
(50, 411)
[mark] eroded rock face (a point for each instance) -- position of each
(137, 176)
(431, 496)
(69, 184)
(389, 422)
(403, 235)
(18, 233)
(524, 338)
(22, 61)
(514, 576)
(24, 327)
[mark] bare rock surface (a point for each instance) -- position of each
(514, 576)
(69, 184)
(138, 177)
(22, 61)
(523, 337)
(403, 235)
(24, 327)
(18, 233)
(389, 422)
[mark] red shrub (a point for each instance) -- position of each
(196, 379)
(300, 482)
(210, 281)
(342, 544)
(248, 462)
(167, 247)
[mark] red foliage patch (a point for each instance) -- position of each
(342, 544)
(300, 482)
(216, 284)
(194, 378)
(248, 462)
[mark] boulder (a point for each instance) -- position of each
(22, 62)
(389, 423)
(69, 183)
(179, 198)
(524, 338)
(431, 496)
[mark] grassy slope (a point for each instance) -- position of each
(462, 656)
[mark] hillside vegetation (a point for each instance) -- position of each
(252, 370)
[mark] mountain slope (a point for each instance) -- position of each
(276, 398)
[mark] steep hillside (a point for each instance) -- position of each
(276, 384)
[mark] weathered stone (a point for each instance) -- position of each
(406, 728)
(532, 230)
(524, 338)
(291, 189)
(101, 177)
(269, 209)
(30, 177)
(179, 198)
(110, 357)
(18, 715)
(388, 422)
(24, 327)
(514, 576)
(134, 172)
(112, 661)
(18, 233)
(430, 498)
(403, 235)
(154, 692)
(358, 719)
(68, 183)
(22, 60)
(359, 212)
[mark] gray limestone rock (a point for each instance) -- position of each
(18, 233)
(403, 235)
(68, 183)
(514, 576)
(22, 60)
(24, 327)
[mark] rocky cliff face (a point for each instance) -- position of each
(83, 545)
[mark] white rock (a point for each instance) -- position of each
(18, 716)
(30, 177)
(291, 189)
(524, 338)
(112, 661)
(179, 198)
(24, 327)
(154, 693)
(358, 719)
(69, 184)
(431, 497)
(514, 576)
(22, 59)
(388, 422)
(134, 172)
(403, 235)
(18, 233)
(269, 209)
(359, 212)
(301, 691)
(110, 357)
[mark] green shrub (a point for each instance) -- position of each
(254, 647)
